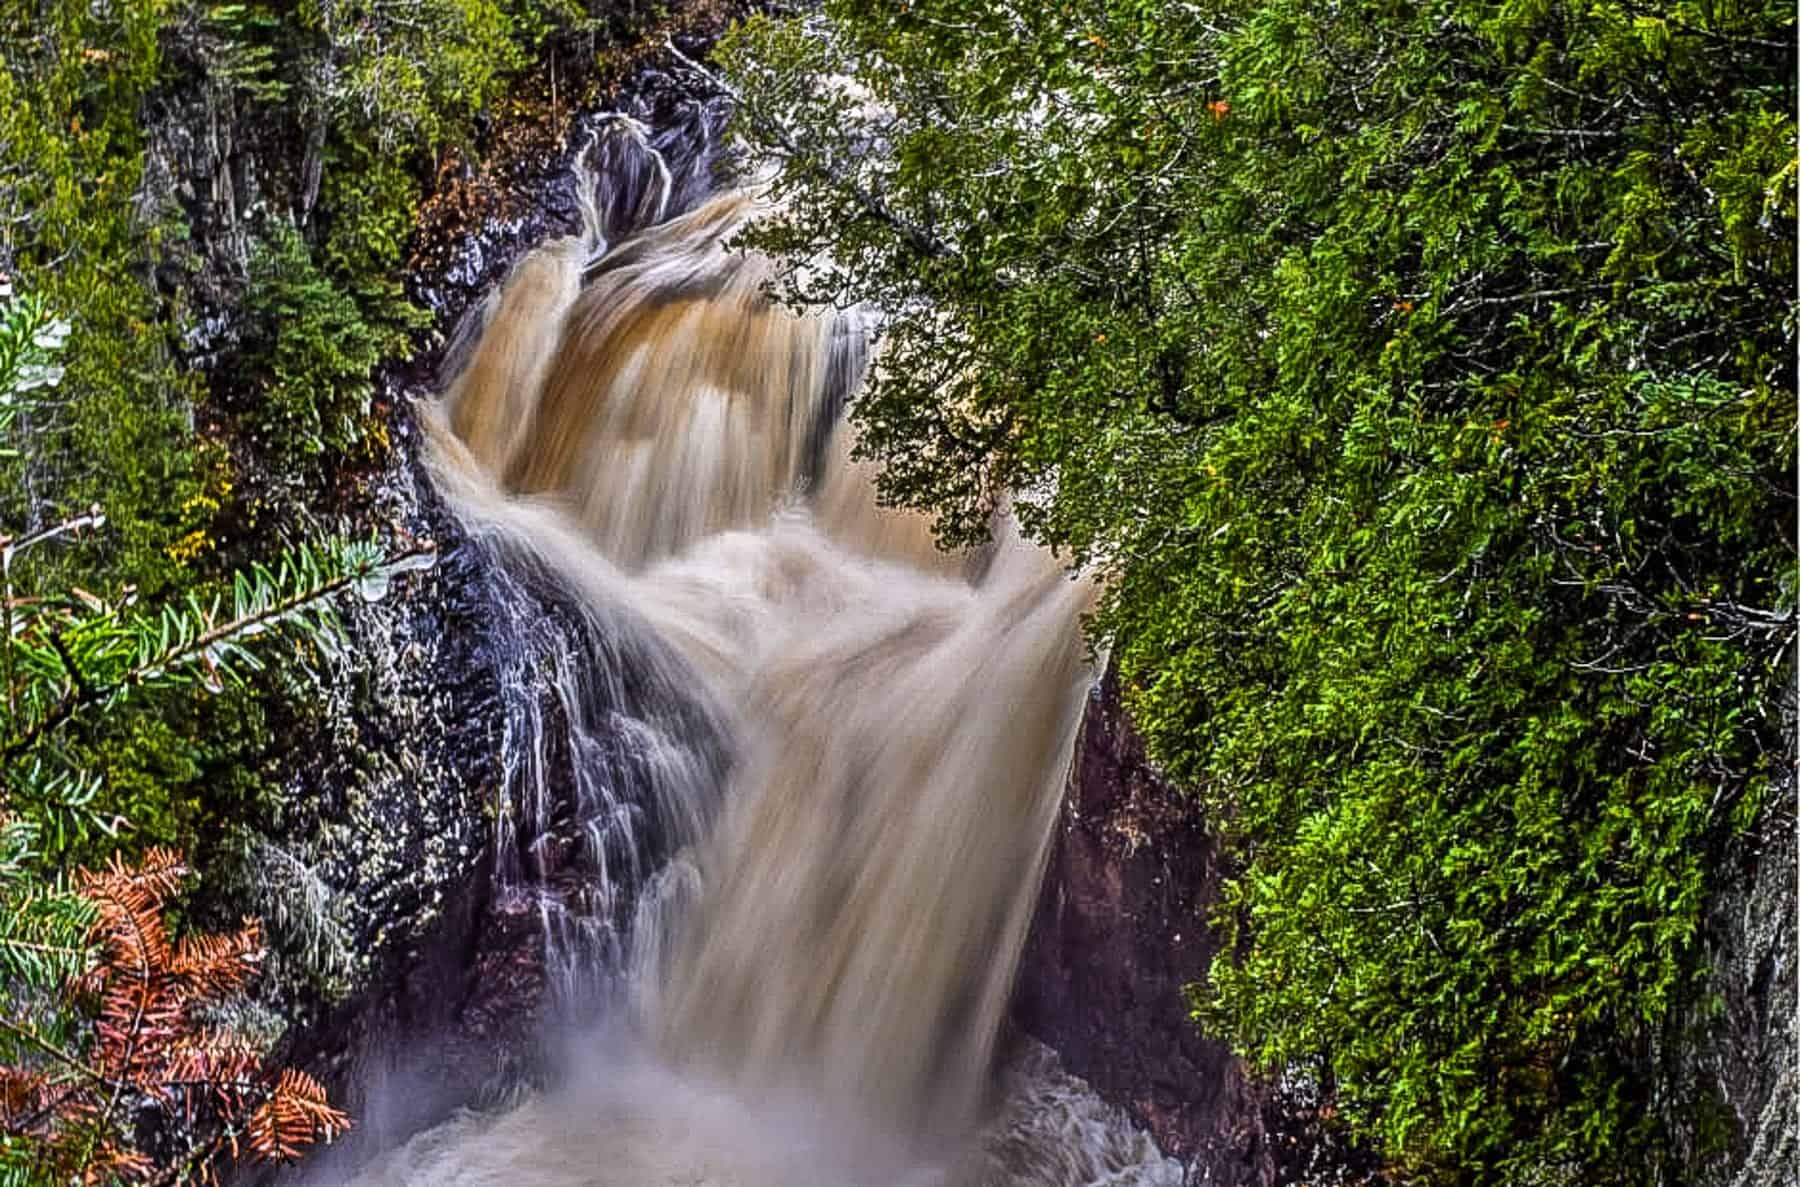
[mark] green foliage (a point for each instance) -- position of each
(73, 78)
(1422, 380)
(403, 73)
(105, 1014)
(29, 342)
(375, 93)
(181, 767)
(43, 933)
(371, 93)
(88, 685)
(344, 112)
(338, 114)
(310, 353)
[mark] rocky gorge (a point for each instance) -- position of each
(415, 975)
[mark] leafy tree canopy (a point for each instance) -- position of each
(1422, 378)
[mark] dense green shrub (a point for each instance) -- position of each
(99, 731)
(373, 94)
(343, 113)
(1421, 376)
(310, 355)
(71, 149)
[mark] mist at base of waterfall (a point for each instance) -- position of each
(627, 1119)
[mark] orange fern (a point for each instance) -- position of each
(213, 967)
(146, 996)
(110, 1163)
(295, 1116)
(22, 1094)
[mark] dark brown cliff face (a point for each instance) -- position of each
(1120, 932)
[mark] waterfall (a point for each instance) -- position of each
(808, 766)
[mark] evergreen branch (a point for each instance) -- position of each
(10, 547)
(778, 134)
(76, 680)
(173, 644)
(53, 949)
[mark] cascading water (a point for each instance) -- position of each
(844, 748)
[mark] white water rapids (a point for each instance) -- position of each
(811, 988)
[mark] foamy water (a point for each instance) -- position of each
(816, 981)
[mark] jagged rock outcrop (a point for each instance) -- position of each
(445, 1005)
(387, 921)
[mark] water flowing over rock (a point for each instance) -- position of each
(783, 814)
(1120, 933)
(1120, 938)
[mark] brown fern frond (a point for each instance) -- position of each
(150, 1046)
(136, 1018)
(81, 1111)
(21, 1094)
(157, 875)
(109, 1163)
(212, 1064)
(213, 967)
(295, 1116)
(86, 988)
(133, 940)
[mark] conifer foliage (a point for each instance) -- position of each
(70, 1110)
(1420, 377)
(114, 1062)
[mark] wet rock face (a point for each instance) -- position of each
(442, 999)
(399, 794)
(1120, 935)
(474, 230)
(1746, 1059)
(1120, 930)
(378, 890)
